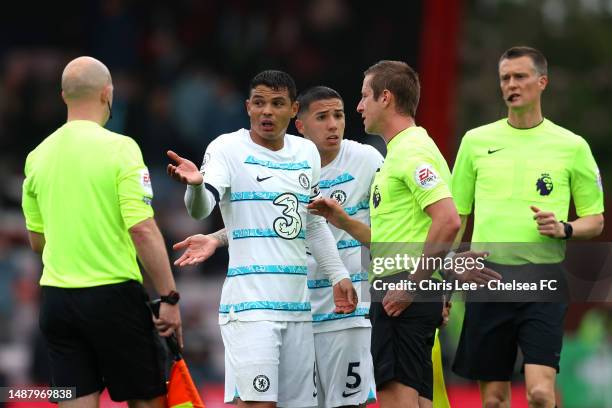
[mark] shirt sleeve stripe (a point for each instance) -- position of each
(213, 190)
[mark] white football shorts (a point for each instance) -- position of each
(270, 361)
(345, 373)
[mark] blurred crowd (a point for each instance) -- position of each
(181, 72)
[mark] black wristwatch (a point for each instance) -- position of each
(171, 298)
(568, 229)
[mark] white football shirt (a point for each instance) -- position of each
(347, 179)
(263, 196)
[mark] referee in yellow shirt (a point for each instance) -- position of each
(519, 174)
(87, 204)
(410, 206)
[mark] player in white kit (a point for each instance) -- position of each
(342, 341)
(263, 179)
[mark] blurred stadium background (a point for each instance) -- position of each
(181, 71)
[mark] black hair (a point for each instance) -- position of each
(539, 60)
(314, 94)
(277, 80)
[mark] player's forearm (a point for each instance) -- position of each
(587, 227)
(358, 230)
(323, 248)
(151, 251)
(37, 241)
(199, 201)
(221, 237)
(459, 237)
(439, 241)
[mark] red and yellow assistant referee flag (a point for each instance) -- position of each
(182, 392)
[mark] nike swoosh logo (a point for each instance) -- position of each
(260, 179)
(496, 150)
(346, 395)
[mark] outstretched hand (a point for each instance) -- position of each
(183, 170)
(198, 248)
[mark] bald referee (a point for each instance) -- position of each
(87, 204)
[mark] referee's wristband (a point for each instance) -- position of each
(568, 229)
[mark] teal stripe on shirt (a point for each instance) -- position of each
(264, 196)
(276, 165)
(341, 179)
(325, 317)
(326, 283)
(265, 305)
(260, 233)
(268, 269)
(348, 243)
(362, 205)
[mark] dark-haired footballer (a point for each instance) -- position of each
(263, 179)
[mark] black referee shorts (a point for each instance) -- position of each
(493, 331)
(101, 337)
(401, 346)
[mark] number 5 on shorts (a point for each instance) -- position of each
(351, 373)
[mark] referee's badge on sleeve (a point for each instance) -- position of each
(145, 182)
(426, 177)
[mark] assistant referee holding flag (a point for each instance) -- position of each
(87, 204)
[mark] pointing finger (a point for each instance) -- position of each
(173, 156)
